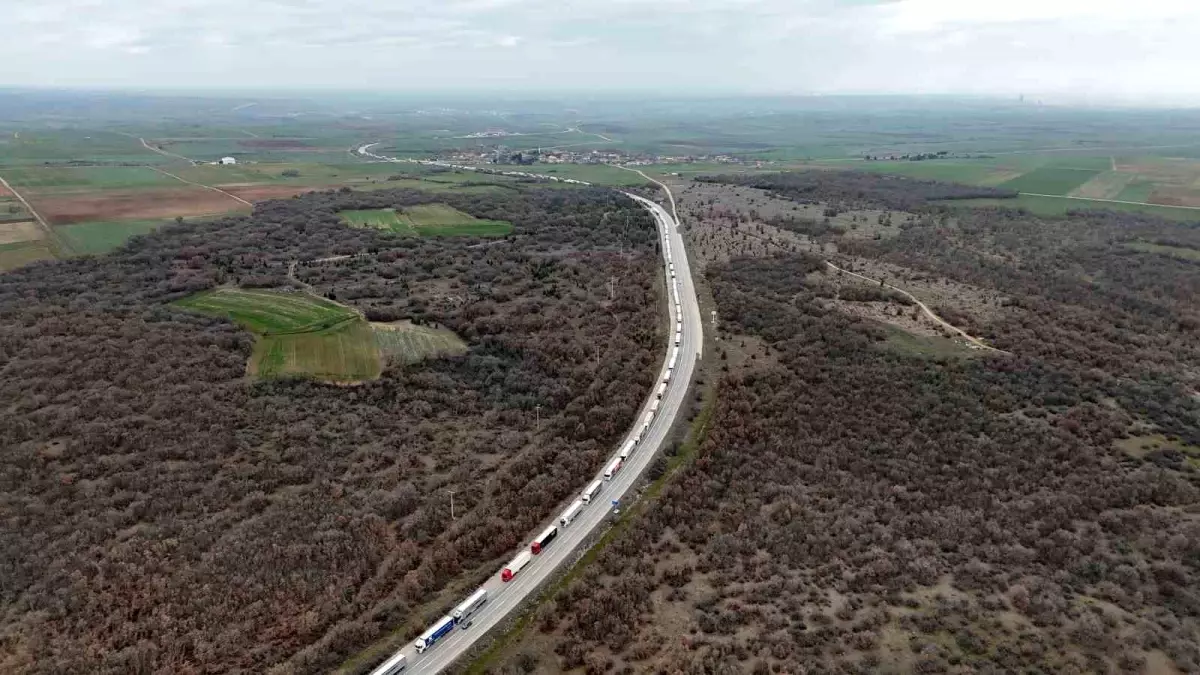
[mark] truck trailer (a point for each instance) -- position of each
(627, 449)
(514, 566)
(572, 511)
(613, 467)
(662, 389)
(392, 666)
(590, 492)
(543, 540)
(654, 405)
(435, 633)
(467, 607)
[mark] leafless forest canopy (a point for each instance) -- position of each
(859, 509)
(164, 514)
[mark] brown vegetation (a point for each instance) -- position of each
(854, 509)
(164, 515)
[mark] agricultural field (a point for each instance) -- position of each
(427, 220)
(406, 342)
(1050, 180)
(94, 238)
(16, 255)
(269, 312)
(1181, 252)
(346, 352)
(41, 179)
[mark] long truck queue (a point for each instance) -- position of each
(461, 616)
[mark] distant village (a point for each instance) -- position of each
(502, 155)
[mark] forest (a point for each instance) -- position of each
(857, 509)
(164, 513)
(854, 189)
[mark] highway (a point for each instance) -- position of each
(503, 598)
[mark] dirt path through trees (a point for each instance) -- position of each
(924, 308)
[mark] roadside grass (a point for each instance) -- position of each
(686, 454)
(406, 342)
(269, 312)
(346, 352)
(427, 220)
(103, 236)
(1050, 180)
(600, 174)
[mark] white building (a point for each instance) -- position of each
(228, 160)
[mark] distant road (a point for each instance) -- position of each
(504, 598)
(206, 187)
(164, 153)
(51, 235)
(1109, 201)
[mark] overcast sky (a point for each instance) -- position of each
(1143, 50)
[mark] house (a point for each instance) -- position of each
(228, 160)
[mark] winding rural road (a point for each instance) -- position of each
(505, 598)
(51, 235)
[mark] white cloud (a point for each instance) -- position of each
(1079, 47)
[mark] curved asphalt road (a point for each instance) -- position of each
(503, 598)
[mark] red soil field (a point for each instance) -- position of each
(133, 205)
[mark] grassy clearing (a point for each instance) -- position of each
(380, 219)
(405, 342)
(300, 335)
(104, 236)
(18, 254)
(1051, 180)
(346, 352)
(927, 347)
(427, 220)
(1173, 251)
(269, 312)
(1141, 446)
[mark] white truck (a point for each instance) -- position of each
(613, 467)
(654, 405)
(662, 389)
(678, 338)
(627, 449)
(590, 492)
(515, 565)
(467, 607)
(435, 633)
(572, 511)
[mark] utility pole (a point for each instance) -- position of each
(537, 412)
(612, 293)
(451, 504)
(714, 319)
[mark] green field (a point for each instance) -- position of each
(17, 254)
(270, 312)
(1050, 180)
(1057, 206)
(427, 220)
(102, 237)
(87, 177)
(404, 342)
(344, 353)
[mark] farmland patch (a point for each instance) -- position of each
(16, 255)
(110, 205)
(12, 233)
(1051, 180)
(427, 220)
(1105, 185)
(102, 237)
(405, 342)
(269, 312)
(299, 335)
